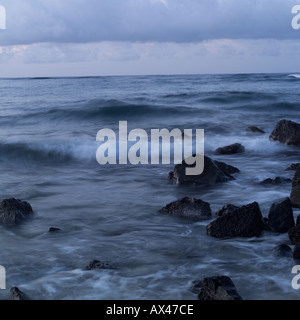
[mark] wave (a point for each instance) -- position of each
(296, 76)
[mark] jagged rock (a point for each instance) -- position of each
(214, 172)
(246, 221)
(293, 167)
(276, 181)
(287, 132)
(281, 218)
(226, 209)
(231, 149)
(96, 264)
(255, 129)
(14, 211)
(192, 208)
(17, 294)
(282, 251)
(295, 193)
(218, 288)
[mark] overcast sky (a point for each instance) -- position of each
(116, 37)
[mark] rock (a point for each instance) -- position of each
(192, 208)
(231, 149)
(226, 209)
(96, 264)
(298, 220)
(266, 224)
(52, 229)
(14, 211)
(246, 221)
(282, 251)
(287, 132)
(214, 172)
(276, 181)
(226, 168)
(255, 129)
(293, 167)
(296, 252)
(218, 288)
(295, 193)
(281, 218)
(294, 234)
(196, 286)
(17, 294)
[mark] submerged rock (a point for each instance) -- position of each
(294, 234)
(52, 229)
(296, 252)
(276, 181)
(246, 221)
(196, 286)
(281, 218)
(96, 264)
(255, 129)
(14, 211)
(218, 288)
(214, 172)
(295, 193)
(17, 294)
(282, 251)
(293, 167)
(287, 132)
(192, 208)
(226, 209)
(231, 149)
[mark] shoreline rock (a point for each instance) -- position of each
(191, 208)
(287, 132)
(246, 221)
(276, 181)
(231, 149)
(293, 167)
(255, 129)
(13, 211)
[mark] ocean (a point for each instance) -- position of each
(48, 129)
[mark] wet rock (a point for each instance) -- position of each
(192, 208)
(96, 264)
(282, 251)
(226, 209)
(196, 286)
(296, 252)
(52, 229)
(17, 294)
(298, 220)
(287, 132)
(246, 221)
(281, 218)
(218, 288)
(295, 193)
(255, 129)
(276, 181)
(13, 211)
(293, 167)
(294, 234)
(266, 224)
(231, 149)
(214, 172)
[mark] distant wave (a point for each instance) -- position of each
(297, 76)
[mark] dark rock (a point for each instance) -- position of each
(298, 220)
(287, 132)
(293, 167)
(294, 234)
(214, 172)
(255, 129)
(13, 211)
(281, 218)
(282, 251)
(218, 288)
(195, 209)
(17, 294)
(226, 209)
(231, 149)
(96, 264)
(276, 181)
(196, 286)
(52, 229)
(296, 252)
(246, 221)
(226, 168)
(266, 224)
(295, 193)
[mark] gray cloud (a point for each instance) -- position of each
(83, 21)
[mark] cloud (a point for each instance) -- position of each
(84, 21)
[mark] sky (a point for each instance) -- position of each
(133, 37)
